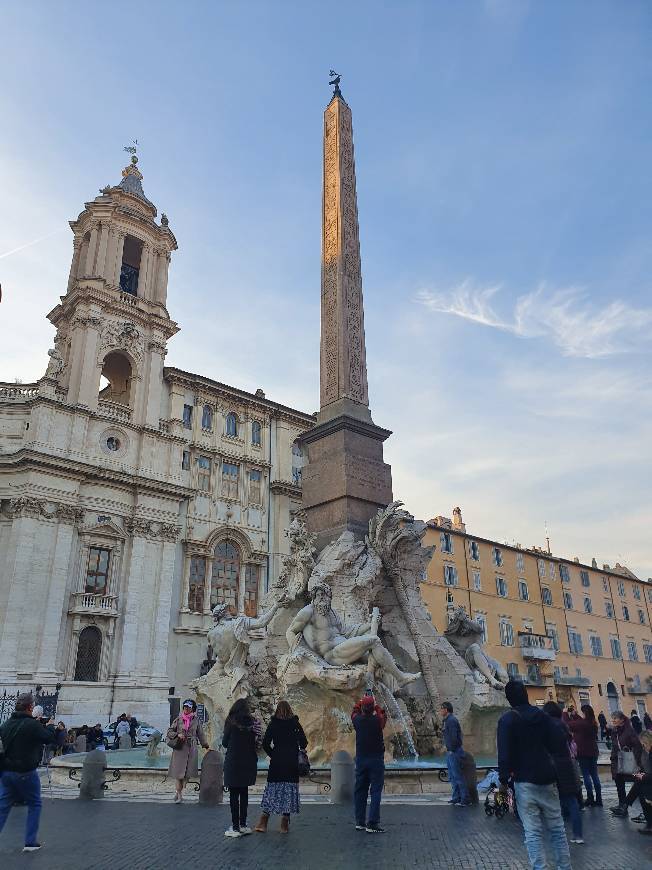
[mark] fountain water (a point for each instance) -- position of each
(391, 705)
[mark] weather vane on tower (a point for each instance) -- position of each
(132, 149)
(336, 82)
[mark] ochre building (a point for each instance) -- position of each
(572, 632)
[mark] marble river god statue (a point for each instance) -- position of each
(465, 636)
(340, 621)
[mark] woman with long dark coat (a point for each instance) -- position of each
(241, 738)
(585, 732)
(282, 741)
(623, 737)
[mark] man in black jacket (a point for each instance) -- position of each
(527, 740)
(368, 722)
(23, 738)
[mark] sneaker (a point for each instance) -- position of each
(33, 848)
(232, 832)
(463, 804)
(244, 830)
(639, 819)
(374, 829)
(579, 841)
(621, 812)
(361, 827)
(177, 798)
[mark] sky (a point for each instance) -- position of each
(504, 189)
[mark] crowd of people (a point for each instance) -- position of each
(545, 756)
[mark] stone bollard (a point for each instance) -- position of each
(92, 781)
(124, 742)
(81, 743)
(211, 779)
(341, 778)
(470, 775)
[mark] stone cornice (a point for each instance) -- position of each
(43, 508)
(26, 458)
(285, 487)
(201, 384)
(142, 527)
(351, 424)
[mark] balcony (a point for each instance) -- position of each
(94, 604)
(530, 679)
(536, 647)
(114, 411)
(636, 687)
(569, 680)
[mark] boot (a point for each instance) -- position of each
(261, 827)
(285, 825)
(590, 800)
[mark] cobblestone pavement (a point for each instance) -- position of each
(105, 835)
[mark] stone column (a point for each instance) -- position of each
(74, 266)
(185, 582)
(145, 272)
(152, 283)
(109, 263)
(92, 250)
(161, 622)
(154, 385)
(207, 583)
(118, 258)
(101, 250)
(89, 380)
(162, 291)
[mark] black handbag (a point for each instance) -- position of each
(304, 763)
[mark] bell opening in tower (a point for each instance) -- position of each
(115, 379)
(130, 268)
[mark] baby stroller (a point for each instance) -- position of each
(498, 804)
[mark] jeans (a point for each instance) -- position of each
(571, 808)
(540, 812)
(458, 784)
(369, 777)
(589, 768)
(621, 788)
(25, 787)
(239, 800)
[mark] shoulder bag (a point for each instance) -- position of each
(626, 762)
(173, 739)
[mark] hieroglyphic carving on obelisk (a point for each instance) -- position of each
(343, 364)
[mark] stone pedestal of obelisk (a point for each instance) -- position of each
(345, 480)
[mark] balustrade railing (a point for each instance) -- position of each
(115, 411)
(18, 392)
(94, 601)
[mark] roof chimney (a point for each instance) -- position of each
(457, 519)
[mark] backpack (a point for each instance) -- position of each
(4, 746)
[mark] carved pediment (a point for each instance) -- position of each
(106, 529)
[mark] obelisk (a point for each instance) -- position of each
(345, 480)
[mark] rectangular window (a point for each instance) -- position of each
(616, 652)
(584, 577)
(551, 570)
(196, 585)
(541, 566)
(512, 669)
(450, 575)
(523, 593)
(506, 634)
(546, 595)
(185, 460)
(564, 573)
(621, 588)
(632, 651)
(609, 609)
(588, 607)
(649, 595)
(230, 475)
(647, 652)
(97, 572)
(551, 631)
(474, 551)
(477, 581)
(637, 593)
(203, 473)
(187, 416)
(520, 562)
(446, 540)
(568, 601)
(501, 587)
(497, 557)
(625, 613)
(481, 619)
(641, 617)
(255, 492)
(596, 645)
(575, 642)
(605, 584)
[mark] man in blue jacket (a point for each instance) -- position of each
(527, 740)
(452, 734)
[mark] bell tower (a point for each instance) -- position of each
(112, 323)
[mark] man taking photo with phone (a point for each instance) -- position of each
(22, 739)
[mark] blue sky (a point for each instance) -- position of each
(504, 183)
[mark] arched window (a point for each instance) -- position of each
(115, 380)
(130, 269)
(87, 667)
(256, 433)
(196, 585)
(207, 417)
(225, 581)
(612, 697)
(251, 590)
(232, 425)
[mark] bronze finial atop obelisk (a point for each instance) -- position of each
(346, 479)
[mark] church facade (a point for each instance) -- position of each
(133, 496)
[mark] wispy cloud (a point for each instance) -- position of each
(565, 316)
(30, 244)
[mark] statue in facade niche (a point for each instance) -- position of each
(55, 363)
(230, 638)
(465, 636)
(322, 631)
